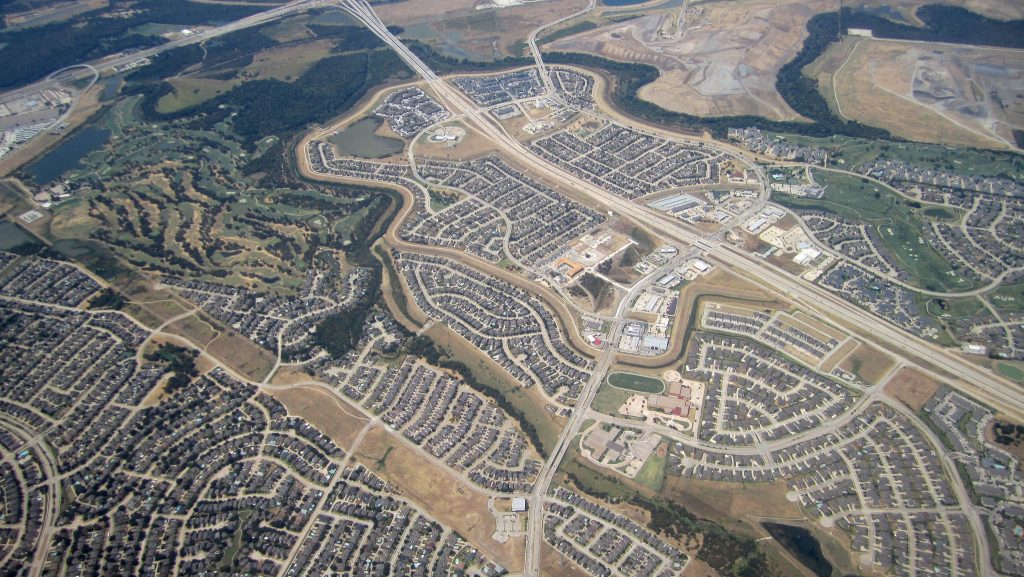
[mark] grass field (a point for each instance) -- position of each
(284, 63)
(609, 399)
(899, 226)
(868, 363)
(652, 474)
(1013, 371)
(1007, 297)
(635, 382)
(328, 413)
(851, 153)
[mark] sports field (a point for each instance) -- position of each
(635, 382)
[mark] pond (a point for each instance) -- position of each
(12, 236)
(359, 140)
(802, 545)
(111, 87)
(68, 155)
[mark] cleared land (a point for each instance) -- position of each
(960, 95)
(722, 62)
(283, 63)
(912, 387)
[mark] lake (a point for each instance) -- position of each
(802, 545)
(68, 155)
(359, 140)
(111, 87)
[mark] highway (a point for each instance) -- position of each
(974, 380)
(110, 62)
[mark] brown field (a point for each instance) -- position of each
(287, 375)
(741, 508)
(911, 387)
(929, 93)
(242, 355)
(329, 413)
(473, 145)
(838, 355)
(480, 32)
(196, 330)
(436, 490)
(554, 564)
(723, 63)
(698, 568)
(868, 363)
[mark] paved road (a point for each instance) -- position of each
(110, 62)
(975, 380)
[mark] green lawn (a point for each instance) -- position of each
(1007, 297)
(652, 474)
(1012, 371)
(635, 382)
(609, 399)
(941, 212)
(899, 225)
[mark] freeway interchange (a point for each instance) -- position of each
(824, 463)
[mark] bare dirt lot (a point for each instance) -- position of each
(911, 387)
(960, 95)
(722, 62)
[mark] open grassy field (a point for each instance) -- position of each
(280, 63)
(868, 363)
(852, 153)
(635, 382)
(437, 491)
(652, 474)
(1007, 297)
(327, 412)
(609, 399)
(1011, 370)
(912, 388)
(554, 564)
(899, 226)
